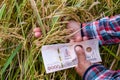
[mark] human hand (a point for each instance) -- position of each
(83, 64)
(75, 26)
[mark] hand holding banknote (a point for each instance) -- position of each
(65, 55)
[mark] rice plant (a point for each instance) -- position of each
(20, 55)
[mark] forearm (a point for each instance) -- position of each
(106, 30)
(99, 72)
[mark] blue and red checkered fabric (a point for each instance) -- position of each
(99, 72)
(106, 30)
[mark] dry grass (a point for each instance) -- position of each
(20, 56)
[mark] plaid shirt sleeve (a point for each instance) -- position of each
(99, 72)
(106, 30)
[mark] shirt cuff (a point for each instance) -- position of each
(89, 29)
(93, 71)
(81, 30)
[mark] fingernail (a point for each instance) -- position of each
(78, 47)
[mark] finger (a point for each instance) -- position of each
(71, 41)
(37, 34)
(37, 29)
(80, 54)
(85, 38)
(78, 38)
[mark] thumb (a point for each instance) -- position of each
(80, 53)
(83, 64)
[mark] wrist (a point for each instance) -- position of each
(92, 71)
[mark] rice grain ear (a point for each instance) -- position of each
(17, 19)
(93, 4)
(36, 13)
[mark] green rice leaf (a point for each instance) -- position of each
(2, 10)
(109, 51)
(11, 58)
(54, 21)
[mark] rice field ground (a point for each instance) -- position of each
(20, 55)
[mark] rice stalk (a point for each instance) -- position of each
(19, 17)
